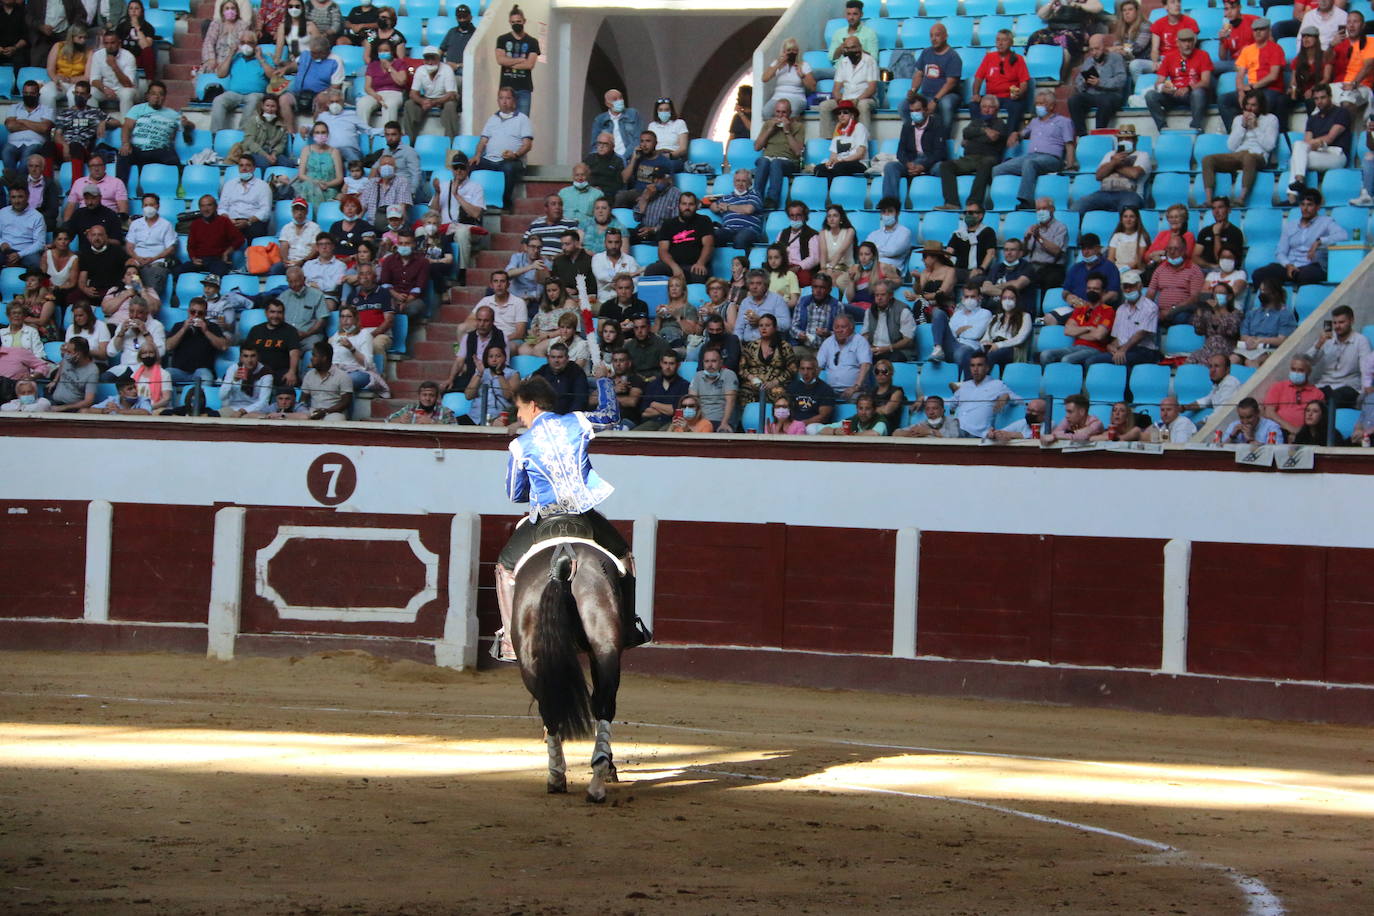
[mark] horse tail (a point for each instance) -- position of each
(561, 693)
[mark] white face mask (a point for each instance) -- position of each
(150, 213)
(433, 69)
(335, 108)
(1227, 265)
(969, 303)
(1008, 304)
(269, 116)
(246, 50)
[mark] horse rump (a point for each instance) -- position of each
(558, 684)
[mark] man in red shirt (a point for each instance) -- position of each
(1007, 77)
(1090, 325)
(1184, 78)
(1164, 32)
(211, 241)
(1259, 66)
(1288, 398)
(406, 273)
(1175, 286)
(1235, 35)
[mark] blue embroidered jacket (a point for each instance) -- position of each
(548, 465)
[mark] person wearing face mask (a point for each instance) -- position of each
(1287, 399)
(891, 238)
(152, 243)
(406, 272)
(856, 82)
(245, 77)
(455, 41)
(1008, 336)
(321, 171)
(1264, 327)
(1028, 427)
(314, 74)
(985, 139)
(920, 145)
(74, 381)
(1218, 321)
(246, 199)
(934, 422)
(67, 62)
(434, 88)
(1135, 329)
(384, 85)
(517, 53)
(1046, 242)
(229, 28)
(384, 188)
(579, 196)
(77, 129)
(344, 127)
(127, 346)
(30, 126)
(1222, 239)
(265, 137)
(1122, 174)
(1052, 142)
(1176, 285)
(1011, 271)
(360, 25)
(1090, 264)
(670, 133)
(959, 337)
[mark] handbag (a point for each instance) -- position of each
(260, 258)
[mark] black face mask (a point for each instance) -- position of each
(31, 101)
(855, 58)
(148, 360)
(1093, 296)
(517, 29)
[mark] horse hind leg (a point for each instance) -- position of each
(558, 766)
(603, 769)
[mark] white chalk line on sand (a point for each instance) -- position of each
(1259, 900)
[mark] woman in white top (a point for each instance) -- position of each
(60, 264)
(1126, 247)
(1230, 273)
(849, 145)
(543, 329)
(353, 348)
(21, 335)
(85, 324)
(670, 130)
(569, 323)
(837, 249)
(794, 78)
(1005, 339)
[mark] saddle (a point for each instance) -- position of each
(566, 529)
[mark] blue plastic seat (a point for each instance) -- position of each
(817, 151)
(1062, 380)
(1352, 219)
(251, 318)
(432, 148)
(163, 22)
(1261, 226)
(11, 283)
(925, 193)
(686, 181)
(1045, 62)
(1052, 300)
(1101, 223)
(457, 402)
(1343, 260)
(248, 285)
(1105, 383)
(1346, 418)
(960, 34)
(1082, 186)
(819, 60)
(1339, 185)
(493, 185)
(188, 287)
(711, 152)
(1149, 383)
(906, 376)
(979, 8)
(525, 365)
(162, 180)
(1051, 337)
(988, 26)
(741, 153)
(466, 144)
(886, 30)
(1208, 145)
(810, 190)
(1003, 190)
(936, 378)
(1180, 340)
(197, 180)
(830, 28)
(205, 81)
(903, 9)
(1170, 188)
(1016, 223)
(849, 191)
(864, 222)
(225, 140)
(1056, 188)
(1173, 151)
(1091, 149)
(7, 82)
(749, 417)
(896, 93)
(1023, 379)
(939, 225)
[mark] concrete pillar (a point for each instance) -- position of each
(226, 583)
(1178, 559)
(99, 538)
(646, 556)
(906, 578)
(458, 648)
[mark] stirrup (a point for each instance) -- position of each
(496, 643)
(638, 635)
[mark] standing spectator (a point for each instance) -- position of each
(1101, 84)
(1122, 174)
(837, 249)
(741, 214)
(435, 87)
(1287, 399)
(517, 52)
(30, 127)
(685, 243)
(938, 77)
(795, 79)
(1249, 428)
(150, 131)
(1184, 78)
(814, 399)
(1259, 67)
(856, 82)
(246, 74)
(1325, 142)
(113, 74)
(1235, 34)
(959, 337)
(780, 143)
(277, 344)
(1341, 360)
(1175, 286)
(920, 146)
(1224, 386)
(506, 140)
(1007, 79)
(1264, 328)
(1051, 149)
(1251, 142)
(1300, 257)
(979, 398)
(623, 124)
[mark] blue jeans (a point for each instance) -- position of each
(893, 173)
(522, 101)
(359, 379)
(514, 169)
(1196, 101)
(955, 350)
(1367, 169)
(1072, 354)
(949, 105)
(1134, 356)
(1109, 200)
(743, 238)
(1030, 167)
(182, 377)
(768, 176)
(284, 161)
(14, 157)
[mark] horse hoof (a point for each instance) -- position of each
(596, 799)
(558, 788)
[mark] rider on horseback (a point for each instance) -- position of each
(549, 469)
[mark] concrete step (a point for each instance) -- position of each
(508, 241)
(177, 72)
(531, 206)
(432, 349)
(421, 369)
(515, 225)
(489, 261)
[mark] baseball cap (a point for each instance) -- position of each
(210, 280)
(462, 9)
(430, 51)
(299, 202)
(395, 210)
(659, 172)
(1259, 22)
(1130, 278)
(1185, 33)
(1309, 30)
(90, 191)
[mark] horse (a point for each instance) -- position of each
(567, 601)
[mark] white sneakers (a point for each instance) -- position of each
(937, 354)
(1364, 200)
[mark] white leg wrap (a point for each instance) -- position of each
(601, 753)
(558, 767)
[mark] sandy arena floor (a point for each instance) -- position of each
(344, 784)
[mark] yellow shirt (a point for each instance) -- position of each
(785, 286)
(71, 68)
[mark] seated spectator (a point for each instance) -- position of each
(23, 232)
(1078, 425)
(688, 418)
(847, 358)
(320, 175)
(506, 140)
(609, 264)
(152, 243)
(113, 74)
(741, 214)
(61, 267)
(622, 124)
(920, 146)
(782, 423)
(406, 272)
(125, 400)
(714, 330)
(985, 140)
(1249, 428)
(1007, 79)
(677, 320)
(326, 388)
(1130, 37)
(604, 167)
(1135, 328)
(759, 301)
(195, 344)
(1122, 173)
(1259, 66)
(624, 306)
(1090, 262)
(435, 88)
(1175, 286)
(126, 344)
(229, 28)
(74, 382)
(1341, 360)
(1184, 80)
(848, 144)
(782, 279)
(803, 244)
(1028, 427)
(284, 406)
(325, 272)
(38, 305)
(889, 327)
(959, 337)
(154, 381)
(1324, 16)
(579, 196)
(118, 298)
(717, 389)
(1218, 240)
(765, 364)
(1176, 228)
(934, 424)
(1007, 339)
(1051, 149)
(934, 284)
(1126, 248)
(246, 200)
(938, 75)
(245, 77)
(552, 305)
(212, 241)
(406, 158)
(865, 422)
(344, 126)
(1287, 399)
(102, 264)
(149, 132)
(1264, 328)
(1172, 425)
(247, 387)
(1352, 71)
(663, 394)
(296, 239)
(813, 400)
(1046, 244)
(868, 271)
(642, 169)
(568, 381)
(657, 203)
(645, 347)
(891, 238)
(1316, 429)
(79, 126)
(66, 63)
(670, 133)
(426, 409)
(595, 227)
(550, 227)
(1325, 142)
(685, 243)
(354, 350)
(375, 311)
(973, 245)
(45, 195)
(1164, 35)
(19, 334)
(1012, 271)
(1122, 426)
(1300, 257)
(138, 37)
(1218, 321)
(82, 322)
(979, 398)
(1224, 386)
(572, 262)
(265, 138)
(629, 386)
(1101, 84)
(856, 82)
(1308, 68)
(278, 345)
(795, 79)
(855, 28)
(837, 240)
(1365, 197)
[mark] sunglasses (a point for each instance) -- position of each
(882, 371)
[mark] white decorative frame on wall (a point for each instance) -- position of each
(407, 614)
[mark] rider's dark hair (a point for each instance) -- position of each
(534, 390)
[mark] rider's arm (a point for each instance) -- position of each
(517, 478)
(607, 413)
